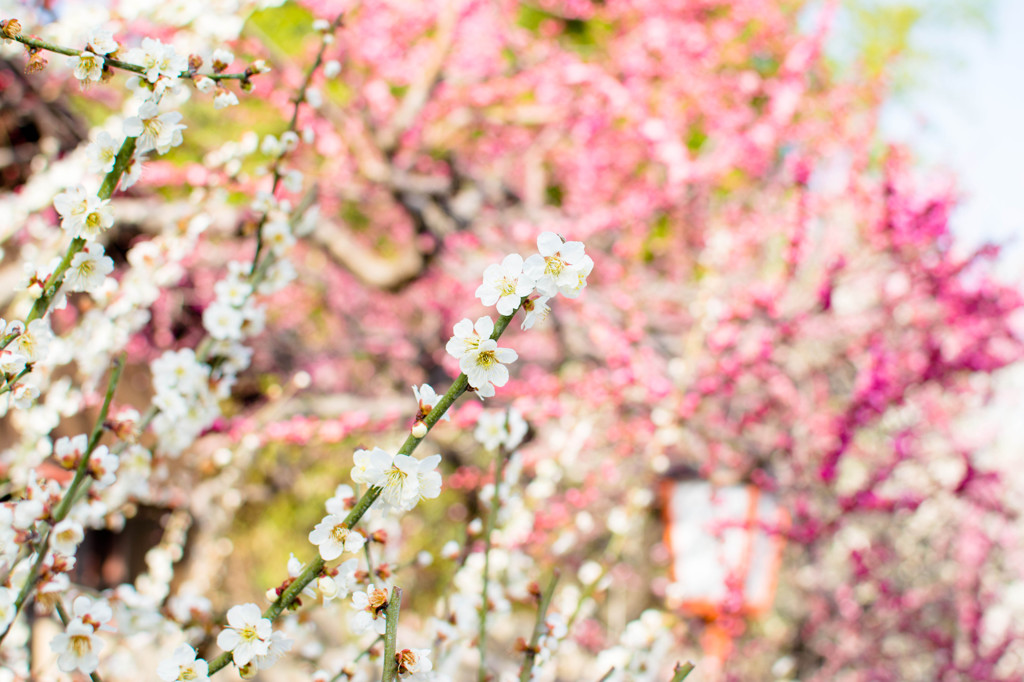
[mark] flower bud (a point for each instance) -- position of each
(10, 28)
(419, 430)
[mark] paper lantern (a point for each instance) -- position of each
(725, 546)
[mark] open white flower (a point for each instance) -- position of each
(505, 284)
(158, 60)
(66, 536)
(468, 336)
(247, 635)
(223, 321)
(154, 130)
(77, 648)
(369, 466)
(89, 268)
(401, 484)
(102, 152)
(414, 664)
(101, 41)
(554, 269)
(536, 309)
(87, 66)
(427, 397)
(370, 611)
(183, 665)
(332, 537)
(486, 364)
(82, 214)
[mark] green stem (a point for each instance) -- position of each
(491, 522)
(65, 504)
(681, 671)
(390, 672)
(314, 568)
(538, 629)
(300, 97)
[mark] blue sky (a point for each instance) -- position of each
(966, 114)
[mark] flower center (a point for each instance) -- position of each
(378, 600)
(188, 673)
(554, 265)
(248, 633)
(508, 286)
(339, 533)
(81, 645)
(486, 359)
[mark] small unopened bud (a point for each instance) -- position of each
(248, 671)
(10, 28)
(259, 66)
(194, 62)
(419, 430)
(271, 594)
(450, 550)
(327, 587)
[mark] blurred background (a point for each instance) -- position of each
(777, 433)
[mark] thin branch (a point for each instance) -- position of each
(390, 672)
(35, 43)
(64, 507)
(532, 649)
(681, 671)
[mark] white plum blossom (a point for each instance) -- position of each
(490, 429)
(370, 466)
(342, 583)
(158, 59)
(94, 612)
(205, 84)
(414, 664)
(68, 451)
(222, 59)
(555, 268)
(88, 269)
(427, 398)
(505, 284)
(153, 129)
(536, 309)
(370, 610)
(342, 501)
(223, 321)
(332, 537)
(224, 98)
(102, 152)
(279, 646)
(486, 364)
(582, 271)
(102, 465)
(101, 41)
(247, 635)
(277, 234)
(183, 665)
(467, 336)
(400, 483)
(87, 66)
(77, 648)
(32, 342)
(66, 536)
(83, 214)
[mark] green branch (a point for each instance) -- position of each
(390, 671)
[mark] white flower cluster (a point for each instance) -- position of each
(186, 397)
(78, 647)
(560, 267)
(251, 639)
